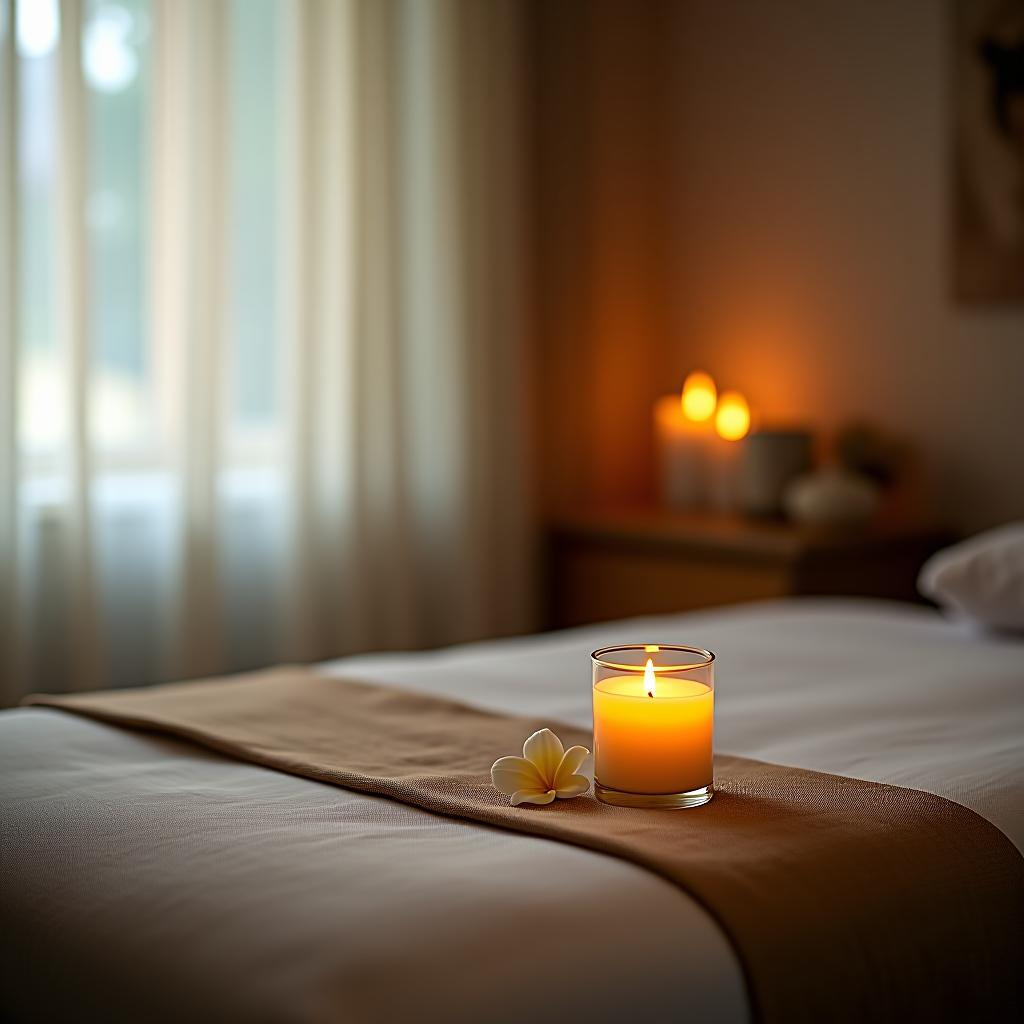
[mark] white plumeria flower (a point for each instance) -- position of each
(543, 772)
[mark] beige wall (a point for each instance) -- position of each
(601, 102)
(760, 189)
(810, 245)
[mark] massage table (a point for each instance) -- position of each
(144, 877)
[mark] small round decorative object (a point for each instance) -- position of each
(831, 497)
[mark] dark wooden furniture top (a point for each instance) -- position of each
(615, 563)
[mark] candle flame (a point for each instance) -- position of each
(649, 678)
(698, 397)
(732, 421)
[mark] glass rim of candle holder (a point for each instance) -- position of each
(661, 771)
(706, 657)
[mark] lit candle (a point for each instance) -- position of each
(653, 725)
(732, 424)
(683, 427)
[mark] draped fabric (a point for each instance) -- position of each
(774, 848)
(383, 500)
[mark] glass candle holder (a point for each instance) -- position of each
(654, 710)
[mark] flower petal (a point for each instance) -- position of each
(544, 749)
(511, 774)
(574, 785)
(571, 761)
(532, 796)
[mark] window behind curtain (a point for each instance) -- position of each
(137, 496)
(116, 63)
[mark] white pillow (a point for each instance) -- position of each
(981, 578)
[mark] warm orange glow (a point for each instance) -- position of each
(650, 680)
(699, 397)
(653, 746)
(732, 421)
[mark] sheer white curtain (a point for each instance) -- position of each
(262, 393)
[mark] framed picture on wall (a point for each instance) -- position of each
(988, 197)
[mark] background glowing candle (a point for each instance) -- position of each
(732, 423)
(684, 427)
(653, 725)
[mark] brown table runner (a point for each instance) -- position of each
(844, 899)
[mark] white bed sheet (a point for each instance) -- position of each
(142, 872)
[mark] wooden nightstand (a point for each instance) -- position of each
(609, 565)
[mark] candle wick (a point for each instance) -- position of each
(649, 694)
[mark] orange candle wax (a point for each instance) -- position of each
(653, 738)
